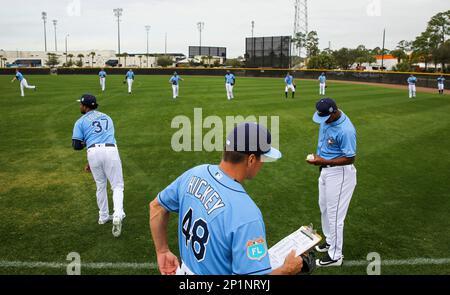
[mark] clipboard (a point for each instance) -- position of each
(301, 241)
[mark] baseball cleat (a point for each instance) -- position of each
(322, 248)
(104, 221)
(326, 261)
(117, 227)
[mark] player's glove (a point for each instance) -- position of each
(295, 86)
(309, 263)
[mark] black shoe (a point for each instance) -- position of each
(322, 248)
(327, 261)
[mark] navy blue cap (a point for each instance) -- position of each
(252, 138)
(88, 100)
(325, 107)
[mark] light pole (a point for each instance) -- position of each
(44, 18)
(66, 48)
(253, 27)
(118, 14)
(200, 26)
(56, 43)
(147, 28)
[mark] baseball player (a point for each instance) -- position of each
(95, 131)
(230, 80)
(289, 80)
(23, 82)
(412, 86)
(129, 78)
(175, 81)
(441, 81)
(102, 76)
(322, 80)
(336, 152)
(220, 230)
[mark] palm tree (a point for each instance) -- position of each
(140, 61)
(125, 58)
(4, 59)
(119, 55)
(1, 61)
(80, 62)
(92, 54)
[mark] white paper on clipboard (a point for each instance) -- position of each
(301, 241)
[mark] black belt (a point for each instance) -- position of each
(106, 144)
(326, 166)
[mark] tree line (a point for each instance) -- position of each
(431, 46)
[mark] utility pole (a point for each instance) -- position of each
(56, 42)
(200, 26)
(118, 14)
(44, 18)
(147, 28)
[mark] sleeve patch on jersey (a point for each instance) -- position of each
(256, 249)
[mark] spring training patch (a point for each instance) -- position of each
(256, 249)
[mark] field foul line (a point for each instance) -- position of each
(154, 266)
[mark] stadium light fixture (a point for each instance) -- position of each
(118, 13)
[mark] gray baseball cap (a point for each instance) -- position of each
(252, 138)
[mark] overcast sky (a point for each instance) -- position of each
(91, 24)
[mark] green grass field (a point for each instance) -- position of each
(400, 208)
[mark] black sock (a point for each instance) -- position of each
(293, 94)
(285, 94)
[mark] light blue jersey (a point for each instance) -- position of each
(441, 80)
(322, 79)
(289, 80)
(130, 75)
(412, 80)
(175, 79)
(221, 230)
(102, 74)
(337, 140)
(230, 78)
(94, 128)
(19, 76)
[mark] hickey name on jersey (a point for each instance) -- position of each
(205, 193)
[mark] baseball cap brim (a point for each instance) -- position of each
(273, 153)
(318, 119)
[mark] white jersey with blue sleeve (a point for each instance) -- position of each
(441, 80)
(130, 75)
(221, 230)
(412, 80)
(229, 79)
(102, 74)
(19, 76)
(94, 128)
(337, 139)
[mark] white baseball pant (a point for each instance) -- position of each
(175, 89)
(440, 86)
(412, 91)
(130, 84)
(336, 186)
(23, 85)
(322, 88)
(290, 87)
(103, 83)
(229, 89)
(106, 166)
